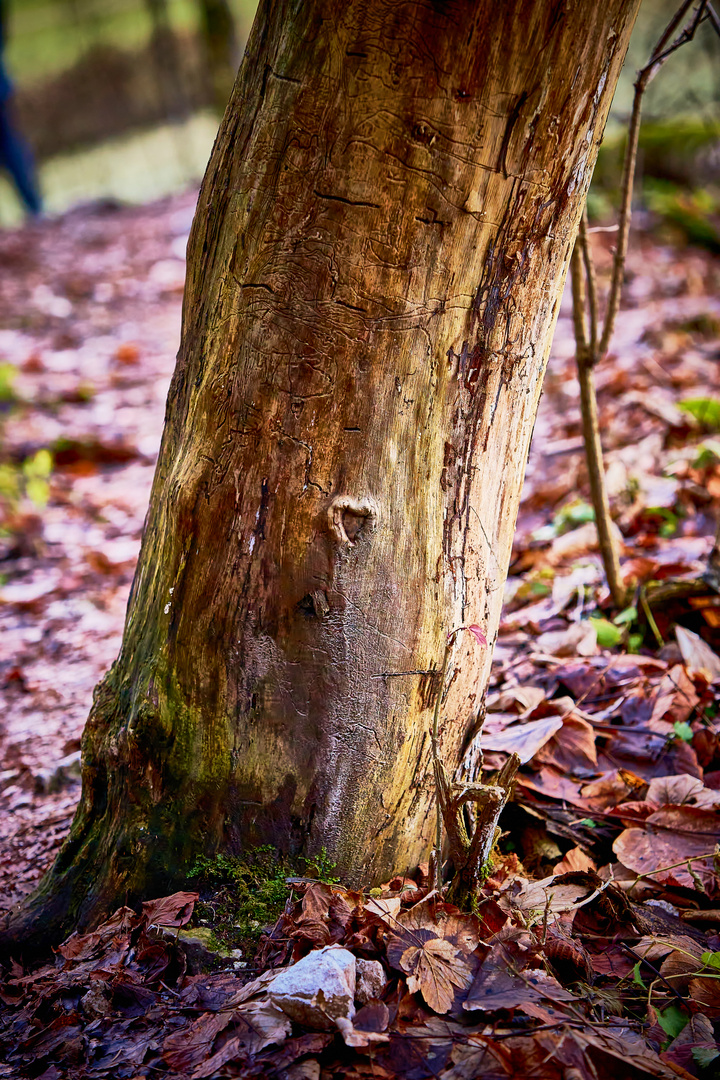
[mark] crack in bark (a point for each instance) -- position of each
(346, 202)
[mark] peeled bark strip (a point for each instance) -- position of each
(374, 273)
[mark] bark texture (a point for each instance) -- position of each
(374, 274)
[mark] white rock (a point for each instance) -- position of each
(319, 990)
(370, 980)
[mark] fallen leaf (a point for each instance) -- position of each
(697, 655)
(571, 748)
(579, 639)
(434, 968)
(681, 790)
(255, 1025)
(186, 1049)
(686, 832)
(385, 908)
(432, 944)
(697, 1034)
(523, 739)
(539, 899)
(175, 910)
(499, 988)
(84, 946)
(518, 699)
(575, 859)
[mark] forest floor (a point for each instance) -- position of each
(595, 950)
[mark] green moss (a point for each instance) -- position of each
(243, 895)
(206, 937)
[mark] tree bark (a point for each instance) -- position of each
(374, 273)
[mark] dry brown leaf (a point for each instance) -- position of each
(433, 944)
(385, 908)
(575, 859)
(687, 832)
(679, 953)
(572, 747)
(681, 790)
(578, 542)
(516, 699)
(523, 739)
(611, 788)
(705, 994)
(547, 896)
(579, 639)
(676, 700)
(186, 1049)
(697, 655)
(83, 946)
(435, 968)
(256, 1025)
(175, 910)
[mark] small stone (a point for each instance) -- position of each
(370, 980)
(319, 990)
(95, 1003)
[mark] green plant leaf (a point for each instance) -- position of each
(627, 615)
(711, 959)
(540, 588)
(705, 410)
(40, 464)
(683, 731)
(708, 453)
(38, 491)
(704, 1055)
(7, 380)
(672, 1020)
(9, 483)
(637, 977)
(607, 634)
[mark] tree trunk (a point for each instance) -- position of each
(374, 274)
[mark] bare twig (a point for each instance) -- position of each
(589, 350)
(436, 761)
(469, 853)
(641, 960)
(660, 54)
(591, 431)
(592, 295)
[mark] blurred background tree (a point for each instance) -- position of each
(120, 98)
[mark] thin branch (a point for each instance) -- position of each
(578, 301)
(596, 475)
(591, 282)
(713, 18)
(586, 359)
(659, 55)
(585, 296)
(437, 763)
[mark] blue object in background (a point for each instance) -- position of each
(15, 154)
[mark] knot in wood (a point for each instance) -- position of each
(348, 517)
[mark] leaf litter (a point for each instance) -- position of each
(595, 947)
